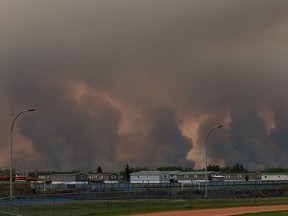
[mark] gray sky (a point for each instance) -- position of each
(142, 82)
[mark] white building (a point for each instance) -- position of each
(150, 177)
(173, 174)
(274, 176)
(194, 176)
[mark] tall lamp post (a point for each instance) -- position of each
(206, 176)
(11, 132)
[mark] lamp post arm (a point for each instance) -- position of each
(206, 174)
(219, 126)
(16, 118)
(28, 110)
(11, 138)
(209, 134)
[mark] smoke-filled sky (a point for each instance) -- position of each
(142, 83)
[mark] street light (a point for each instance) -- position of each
(11, 131)
(206, 177)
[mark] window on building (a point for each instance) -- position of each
(185, 176)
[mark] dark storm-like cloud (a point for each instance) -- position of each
(72, 134)
(196, 58)
(166, 141)
(247, 142)
(160, 142)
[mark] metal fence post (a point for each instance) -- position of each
(191, 192)
(54, 208)
(170, 190)
(108, 205)
(71, 210)
(20, 207)
(128, 191)
(148, 190)
(234, 189)
(255, 191)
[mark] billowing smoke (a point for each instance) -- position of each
(73, 135)
(159, 140)
(117, 82)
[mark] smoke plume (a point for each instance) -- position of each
(117, 82)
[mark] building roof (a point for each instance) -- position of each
(156, 172)
(105, 174)
(174, 172)
(68, 174)
(196, 173)
(274, 174)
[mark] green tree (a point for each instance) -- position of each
(275, 170)
(212, 167)
(131, 170)
(127, 173)
(138, 169)
(99, 169)
(225, 169)
(188, 169)
(170, 168)
(238, 168)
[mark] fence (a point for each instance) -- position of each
(97, 199)
(233, 189)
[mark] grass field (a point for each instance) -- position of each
(112, 208)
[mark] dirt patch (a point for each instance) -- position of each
(220, 211)
(19, 189)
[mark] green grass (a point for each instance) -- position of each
(113, 208)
